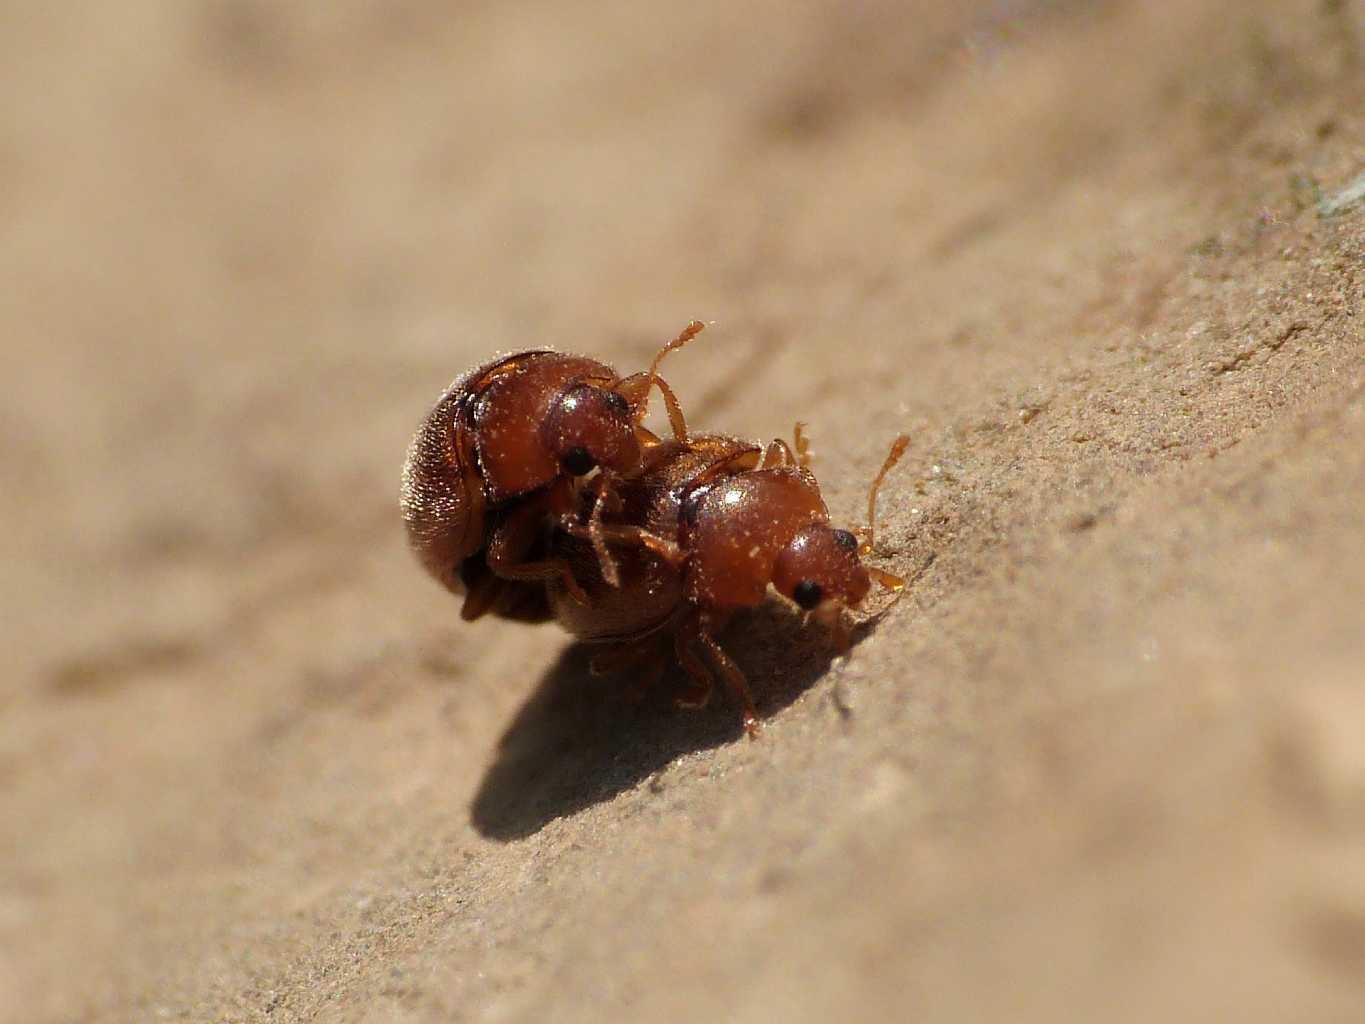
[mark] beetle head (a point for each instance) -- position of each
(820, 568)
(591, 426)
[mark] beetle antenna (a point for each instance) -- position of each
(892, 457)
(689, 332)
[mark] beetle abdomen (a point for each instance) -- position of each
(442, 493)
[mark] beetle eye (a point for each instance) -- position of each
(618, 403)
(578, 462)
(846, 540)
(807, 594)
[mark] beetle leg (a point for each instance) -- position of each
(699, 627)
(699, 694)
(802, 445)
(513, 537)
(835, 620)
(480, 595)
(666, 549)
(601, 533)
(619, 533)
(599, 545)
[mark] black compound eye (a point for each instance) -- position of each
(618, 403)
(807, 594)
(578, 462)
(846, 540)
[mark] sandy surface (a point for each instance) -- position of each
(1106, 761)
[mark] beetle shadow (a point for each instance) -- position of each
(578, 741)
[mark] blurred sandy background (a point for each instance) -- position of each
(1105, 762)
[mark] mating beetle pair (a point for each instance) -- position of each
(534, 487)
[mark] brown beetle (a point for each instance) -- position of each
(699, 535)
(503, 449)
